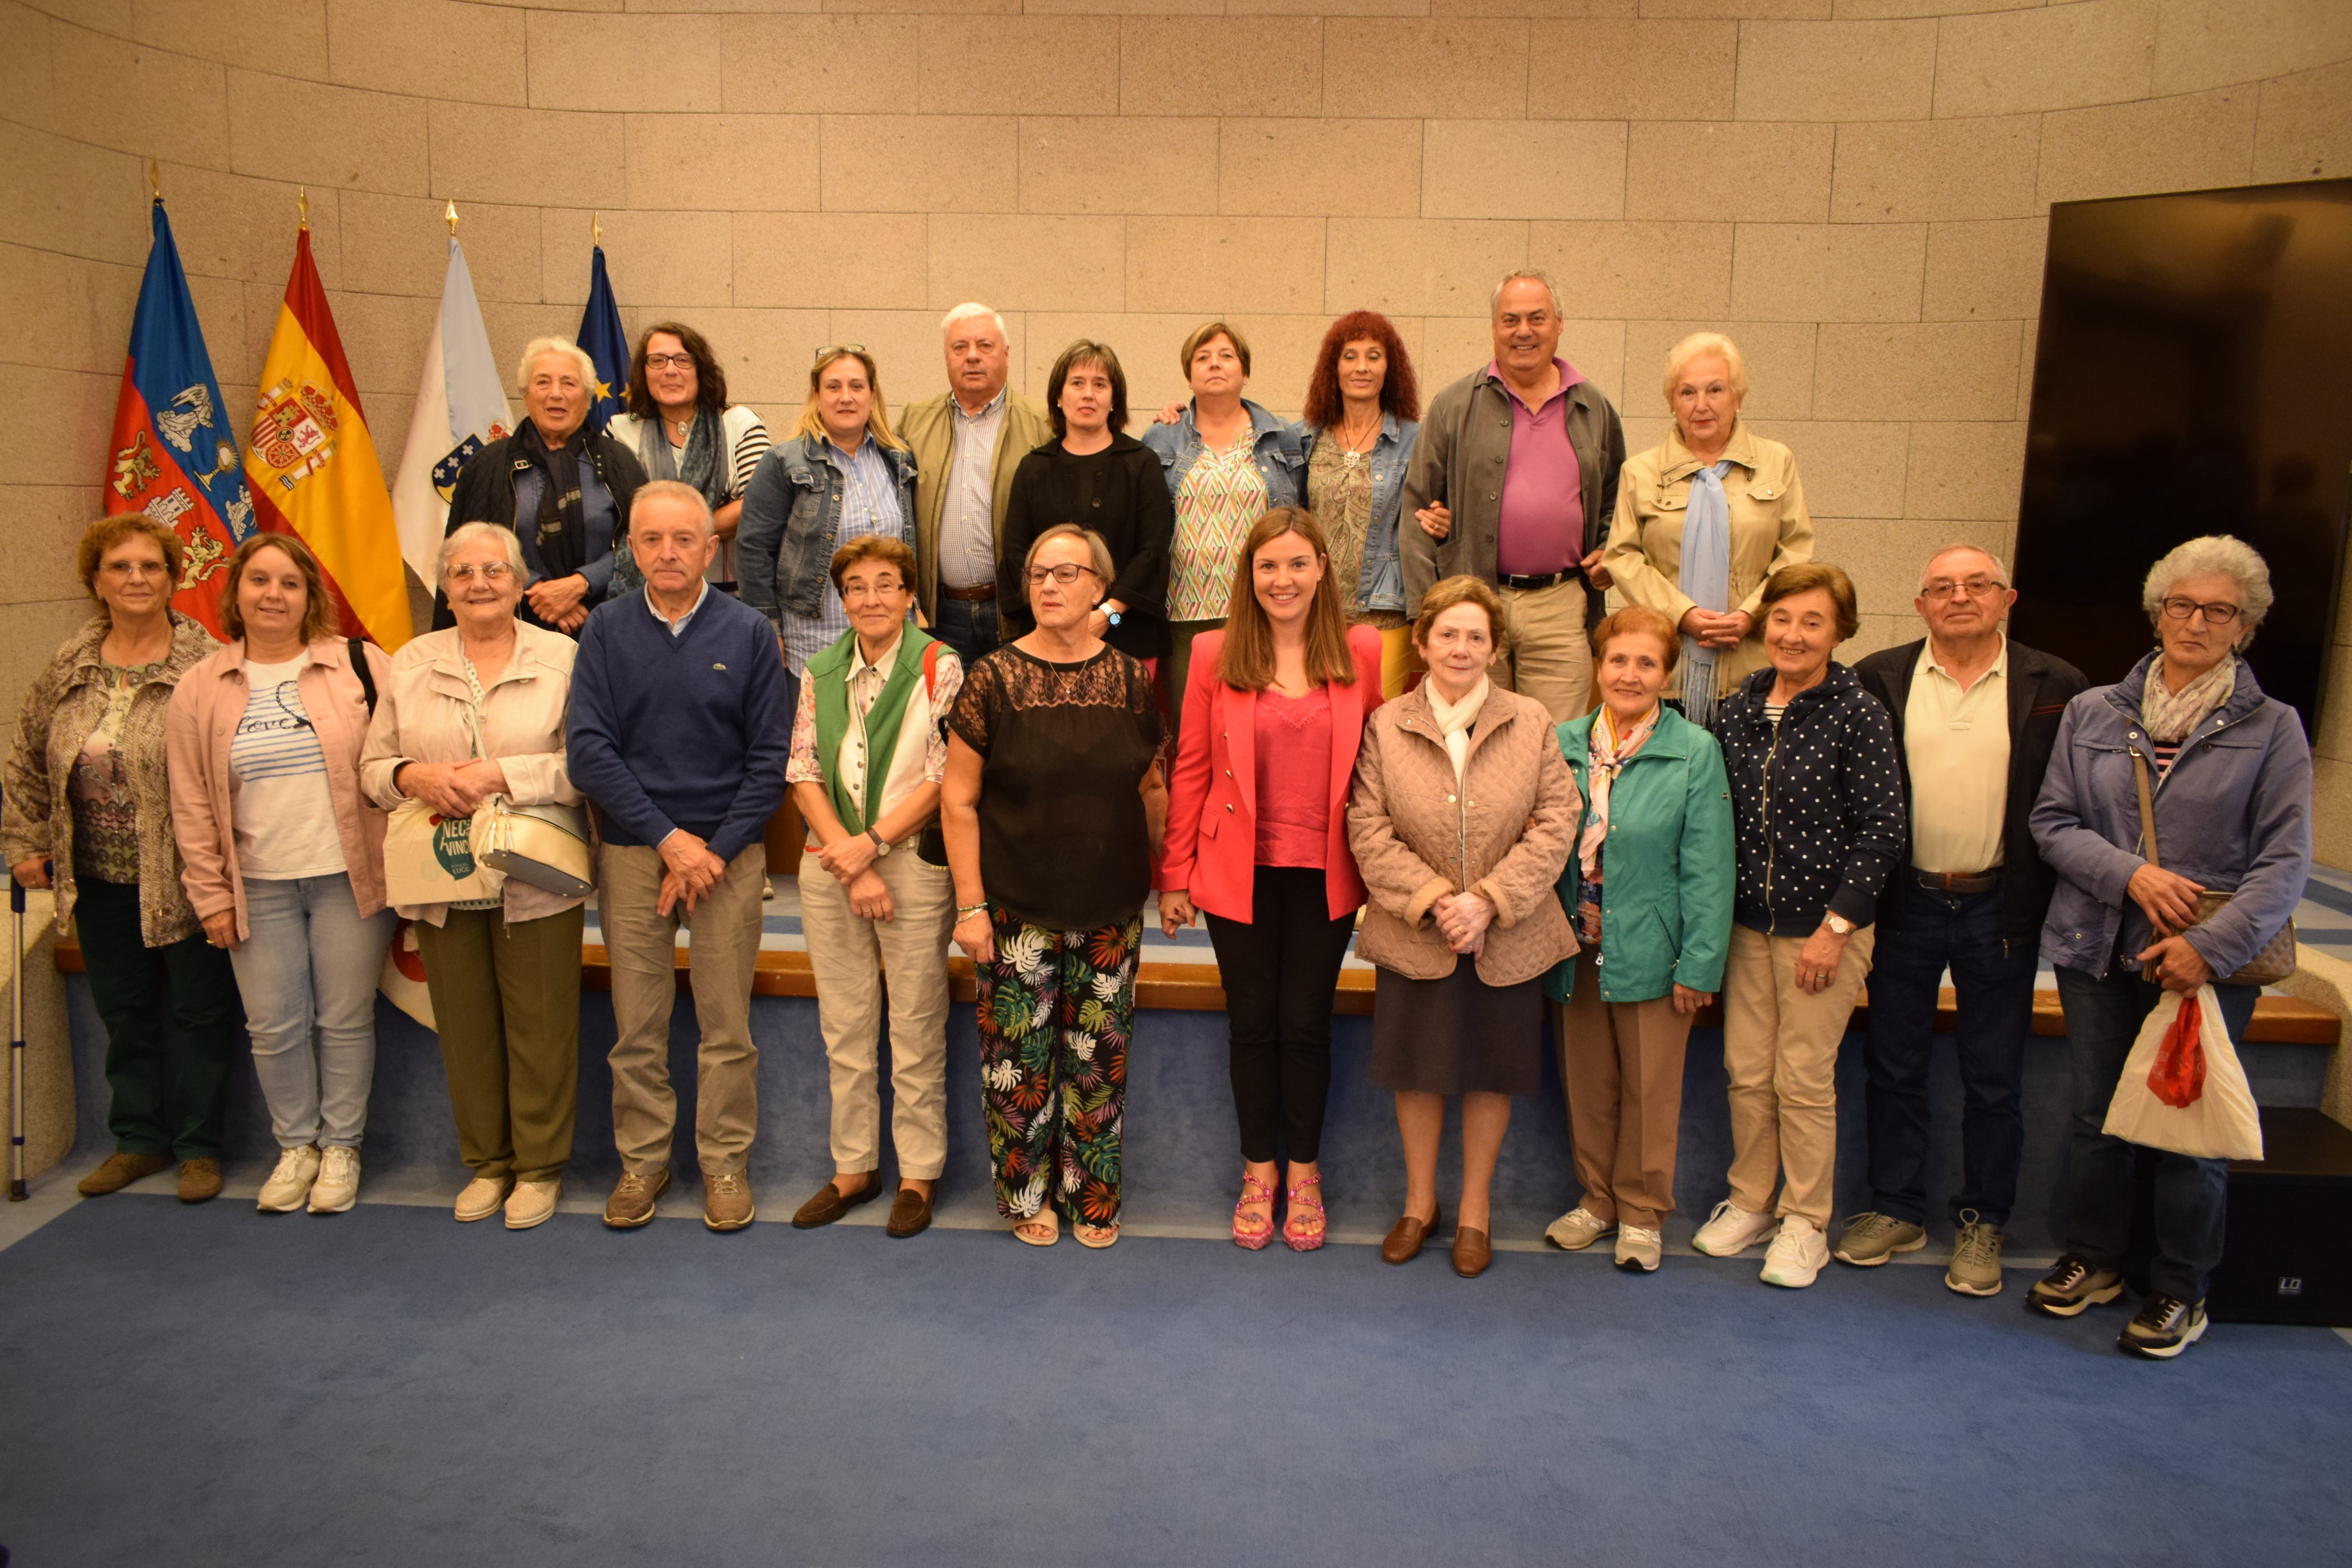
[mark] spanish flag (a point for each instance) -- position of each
(313, 469)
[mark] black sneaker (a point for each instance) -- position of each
(2165, 1326)
(2072, 1288)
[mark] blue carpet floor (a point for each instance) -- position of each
(208, 1387)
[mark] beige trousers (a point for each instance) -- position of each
(1780, 1047)
(848, 953)
(1620, 1066)
(1552, 656)
(724, 950)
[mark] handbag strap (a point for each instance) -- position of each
(2146, 811)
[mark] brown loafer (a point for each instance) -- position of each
(1403, 1244)
(1472, 1252)
(199, 1180)
(119, 1172)
(910, 1214)
(830, 1202)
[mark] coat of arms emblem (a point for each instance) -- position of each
(294, 430)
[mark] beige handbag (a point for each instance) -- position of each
(2273, 964)
(545, 846)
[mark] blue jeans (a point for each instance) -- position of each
(1995, 991)
(2102, 1019)
(308, 972)
(968, 626)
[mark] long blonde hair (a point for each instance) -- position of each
(878, 418)
(1245, 663)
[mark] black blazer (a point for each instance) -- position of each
(2040, 687)
(1129, 506)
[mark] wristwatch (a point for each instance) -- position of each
(1112, 616)
(1841, 925)
(881, 845)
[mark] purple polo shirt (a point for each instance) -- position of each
(1542, 522)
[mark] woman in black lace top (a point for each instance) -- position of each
(1052, 808)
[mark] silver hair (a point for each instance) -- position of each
(1096, 547)
(466, 533)
(971, 307)
(532, 349)
(1495, 300)
(2213, 552)
(1999, 569)
(673, 489)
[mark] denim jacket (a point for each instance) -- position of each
(1381, 584)
(2234, 814)
(1281, 460)
(792, 516)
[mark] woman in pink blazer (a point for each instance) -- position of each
(1257, 842)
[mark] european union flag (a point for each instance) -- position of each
(607, 344)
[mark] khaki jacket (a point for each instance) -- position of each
(198, 731)
(1769, 530)
(1502, 833)
(426, 715)
(928, 427)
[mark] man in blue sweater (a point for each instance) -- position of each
(679, 733)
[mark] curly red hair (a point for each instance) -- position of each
(1399, 395)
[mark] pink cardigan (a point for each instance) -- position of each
(1212, 844)
(198, 730)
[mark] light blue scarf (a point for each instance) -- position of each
(1706, 579)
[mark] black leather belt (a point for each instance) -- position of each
(977, 593)
(1958, 881)
(1529, 584)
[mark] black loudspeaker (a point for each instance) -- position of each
(2288, 1255)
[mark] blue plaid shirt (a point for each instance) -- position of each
(869, 504)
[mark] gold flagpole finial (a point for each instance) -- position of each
(302, 204)
(595, 228)
(452, 216)
(154, 179)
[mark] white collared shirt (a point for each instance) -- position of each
(677, 626)
(1957, 745)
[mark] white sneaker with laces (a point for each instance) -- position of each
(1731, 1230)
(1577, 1229)
(1798, 1256)
(338, 1186)
(288, 1186)
(1639, 1249)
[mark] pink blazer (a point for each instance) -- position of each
(1211, 842)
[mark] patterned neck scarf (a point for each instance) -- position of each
(2170, 716)
(1706, 577)
(1610, 752)
(698, 467)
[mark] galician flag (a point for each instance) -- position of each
(602, 335)
(313, 467)
(461, 408)
(174, 449)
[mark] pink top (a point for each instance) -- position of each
(1294, 778)
(1542, 521)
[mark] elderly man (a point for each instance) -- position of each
(1975, 718)
(1514, 481)
(679, 732)
(967, 442)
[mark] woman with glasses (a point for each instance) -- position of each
(2188, 740)
(681, 426)
(88, 812)
(284, 854)
(470, 712)
(1704, 519)
(1053, 808)
(840, 475)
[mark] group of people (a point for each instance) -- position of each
(1351, 679)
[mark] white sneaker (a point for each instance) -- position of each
(338, 1188)
(481, 1199)
(532, 1203)
(1799, 1254)
(1577, 1229)
(1639, 1249)
(290, 1185)
(1731, 1230)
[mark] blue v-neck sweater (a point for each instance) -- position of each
(687, 731)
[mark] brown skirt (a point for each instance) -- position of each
(1456, 1036)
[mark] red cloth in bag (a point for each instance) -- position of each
(2177, 1075)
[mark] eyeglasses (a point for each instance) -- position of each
(830, 350)
(1974, 587)
(2180, 607)
(859, 593)
(489, 571)
(127, 569)
(1065, 574)
(664, 361)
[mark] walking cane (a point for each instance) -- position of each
(16, 1045)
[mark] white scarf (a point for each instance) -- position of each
(1454, 718)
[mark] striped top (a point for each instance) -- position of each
(869, 504)
(1222, 496)
(285, 815)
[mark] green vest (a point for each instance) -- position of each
(829, 673)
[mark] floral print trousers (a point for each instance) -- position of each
(1056, 1009)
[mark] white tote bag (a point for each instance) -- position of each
(428, 858)
(2182, 1088)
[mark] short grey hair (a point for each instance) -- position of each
(673, 489)
(1954, 548)
(2220, 553)
(466, 533)
(968, 309)
(533, 350)
(1095, 548)
(1527, 275)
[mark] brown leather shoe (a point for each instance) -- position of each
(830, 1203)
(633, 1200)
(1472, 1252)
(910, 1214)
(199, 1180)
(1403, 1244)
(120, 1171)
(727, 1200)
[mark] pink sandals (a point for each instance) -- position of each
(1253, 1231)
(1305, 1212)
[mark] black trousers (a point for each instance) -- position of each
(1278, 971)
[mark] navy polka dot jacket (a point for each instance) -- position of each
(1817, 807)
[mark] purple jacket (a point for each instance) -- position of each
(2233, 815)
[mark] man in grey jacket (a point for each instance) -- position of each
(1514, 481)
